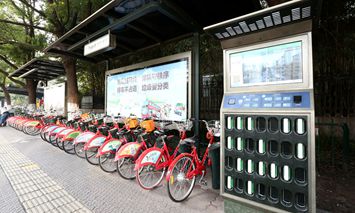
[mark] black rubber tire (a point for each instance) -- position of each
(90, 155)
(126, 173)
(79, 150)
(52, 140)
(59, 143)
(107, 162)
(187, 194)
(68, 147)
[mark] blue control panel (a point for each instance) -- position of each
(268, 100)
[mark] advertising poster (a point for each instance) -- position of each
(54, 98)
(278, 64)
(159, 92)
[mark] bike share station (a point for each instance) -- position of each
(267, 112)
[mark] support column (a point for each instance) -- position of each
(196, 81)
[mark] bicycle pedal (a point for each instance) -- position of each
(203, 182)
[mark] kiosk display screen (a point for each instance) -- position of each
(279, 64)
(159, 91)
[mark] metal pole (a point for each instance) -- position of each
(196, 80)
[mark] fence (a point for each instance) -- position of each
(211, 94)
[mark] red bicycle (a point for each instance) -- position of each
(152, 164)
(182, 173)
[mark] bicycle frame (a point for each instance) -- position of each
(112, 145)
(200, 164)
(131, 150)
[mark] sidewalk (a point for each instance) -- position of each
(38, 177)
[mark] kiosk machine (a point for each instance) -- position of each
(267, 113)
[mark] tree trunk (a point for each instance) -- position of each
(6, 94)
(31, 86)
(72, 85)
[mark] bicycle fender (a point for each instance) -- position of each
(95, 142)
(56, 130)
(84, 137)
(149, 157)
(128, 150)
(32, 123)
(64, 132)
(50, 128)
(171, 166)
(109, 146)
(71, 135)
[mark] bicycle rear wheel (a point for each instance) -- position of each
(52, 140)
(79, 150)
(107, 162)
(179, 186)
(68, 147)
(59, 143)
(149, 177)
(90, 156)
(125, 168)
(32, 130)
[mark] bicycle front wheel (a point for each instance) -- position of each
(179, 185)
(149, 176)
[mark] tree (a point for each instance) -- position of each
(63, 16)
(19, 40)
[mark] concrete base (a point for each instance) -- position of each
(236, 207)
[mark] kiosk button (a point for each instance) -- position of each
(297, 99)
(231, 101)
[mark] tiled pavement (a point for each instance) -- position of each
(60, 175)
(36, 191)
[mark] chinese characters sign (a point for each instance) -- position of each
(159, 91)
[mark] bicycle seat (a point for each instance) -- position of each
(190, 141)
(159, 132)
(138, 131)
(104, 128)
(122, 132)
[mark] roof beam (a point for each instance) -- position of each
(144, 32)
(172, 11)
(123, 46)
(29, 72)
(148, 8)
(75, 55)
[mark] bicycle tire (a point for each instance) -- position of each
(90, 156)
(68, 147)
(79, 150)
(150, 172)
(59, 144)
(107, 162)
(180, 178)
(125, 168)
(32, 130)
(52, 140)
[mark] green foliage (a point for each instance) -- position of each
(91, 79)
(63, 15)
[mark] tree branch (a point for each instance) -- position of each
(24, 25)
(33, 8)
(12, 79)
(7, 61)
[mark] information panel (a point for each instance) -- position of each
(159, 91)
(279, 64)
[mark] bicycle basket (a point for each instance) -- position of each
(148, 125)
(132, 123)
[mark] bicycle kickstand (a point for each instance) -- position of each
(203, 181)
